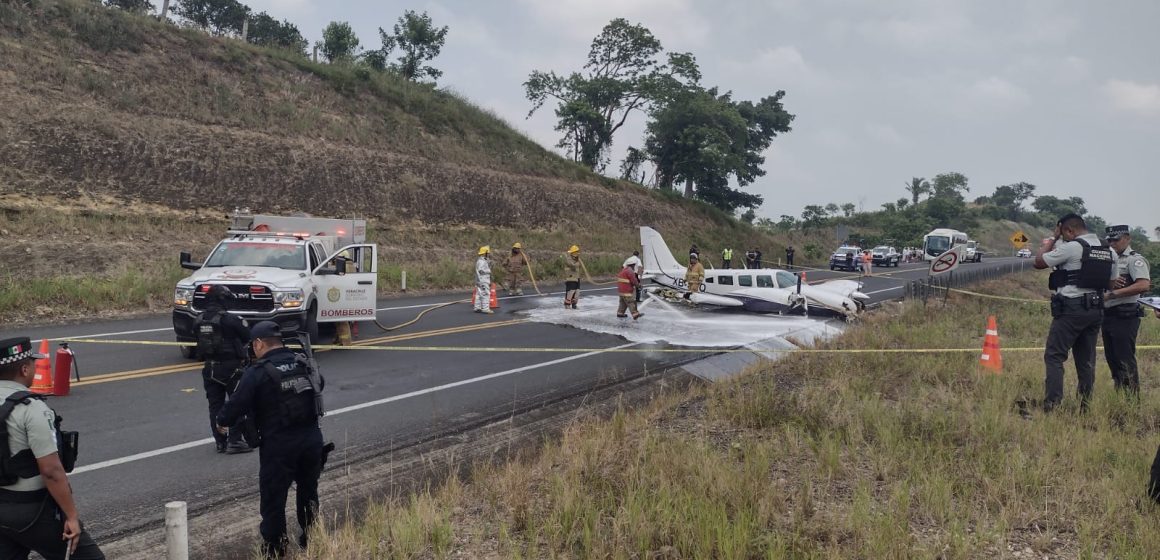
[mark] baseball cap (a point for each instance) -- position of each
(265, 329)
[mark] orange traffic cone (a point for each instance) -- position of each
(493, 302)
(991, 358)
(42, 383)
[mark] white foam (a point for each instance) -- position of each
(680, 326)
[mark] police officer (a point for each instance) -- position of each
(221, 342)
(282, 392)
(37, 511)
(789, 252)
(1122, 309)
(1084, 269)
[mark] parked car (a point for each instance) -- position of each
(846, 257)
(1024, 253)
(885, 256)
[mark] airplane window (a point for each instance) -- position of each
(745, 281)
(709, 280)
(765, 281)
(725, 280)
(786, 279)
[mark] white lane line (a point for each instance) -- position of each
(886, 290)
(352, 408)
(416, 306)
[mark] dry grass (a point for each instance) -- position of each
(820, 456)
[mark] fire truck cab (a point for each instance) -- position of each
(297, 271)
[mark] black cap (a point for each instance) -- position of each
(13, 350)
(266, 329)
(219, 293)
(1114, 232)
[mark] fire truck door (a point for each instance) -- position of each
(351, 294)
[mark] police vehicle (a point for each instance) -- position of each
(299, 272)
(973, 252)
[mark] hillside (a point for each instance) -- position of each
(126, 139)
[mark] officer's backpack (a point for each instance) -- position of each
(23, 464)
(210, 339)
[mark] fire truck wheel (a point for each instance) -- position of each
(312, 324)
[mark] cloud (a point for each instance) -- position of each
(1132, 97)
(772, 69)
(671, 21)
(884, 134)
(997, 93)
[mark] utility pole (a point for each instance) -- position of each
(164, 9)
(245, 29)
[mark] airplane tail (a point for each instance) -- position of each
(655, 254)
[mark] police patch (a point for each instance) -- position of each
(1138, 263)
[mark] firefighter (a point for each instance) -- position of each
(694, 276)
(637, 266)
(627, 285)
(516, 262)
(572, 277)
(221, 342)
(483, 281)
(282, 391)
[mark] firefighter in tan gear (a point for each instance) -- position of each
(694, 276)
(572, 277)
(515, 264)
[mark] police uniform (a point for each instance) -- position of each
(221, 341)
(789, 251)
(1122, 317)
(282, 395)
(1083, 270)
(30, 519)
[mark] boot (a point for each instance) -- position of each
(238, 447)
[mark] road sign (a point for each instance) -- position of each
(947, 261)
(1018, 239)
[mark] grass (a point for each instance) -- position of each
(906, 455)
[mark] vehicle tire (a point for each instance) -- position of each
(188, 352)
(311, 325)
(832, 268)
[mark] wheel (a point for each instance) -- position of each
(311, 324)
(832, 268)
(188, 352)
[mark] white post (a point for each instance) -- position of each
(164, 10)
(176, 531)
(404, 282)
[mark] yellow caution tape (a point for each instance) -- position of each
(1005, 298)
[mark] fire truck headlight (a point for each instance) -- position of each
(183, 296)
(288, 298)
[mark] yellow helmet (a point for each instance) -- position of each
(574, 249)
(518, 246)
(484, 250)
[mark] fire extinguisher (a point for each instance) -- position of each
(66, 365)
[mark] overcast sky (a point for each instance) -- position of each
(1064, 94)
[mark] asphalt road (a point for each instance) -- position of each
(144, 426)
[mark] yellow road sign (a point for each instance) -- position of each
(1018, 239)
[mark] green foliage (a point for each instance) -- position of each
(339, 42)
(134, 6)
(219, 17)
(419, 41)
(630, 168)
(622, 75)
(1051, 207)
(1011, 198)
(917, 186)
(269, 32)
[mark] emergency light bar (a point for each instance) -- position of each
(347, 231)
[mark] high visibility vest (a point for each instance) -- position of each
(727, 254)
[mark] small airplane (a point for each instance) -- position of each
(761, 290)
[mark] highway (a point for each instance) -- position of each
(144, 426)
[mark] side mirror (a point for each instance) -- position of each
(186, 261)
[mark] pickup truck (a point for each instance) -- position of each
(885, 256)
(847, 257)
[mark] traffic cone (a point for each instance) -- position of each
(493, 302)
(991, 358)
(42, 383)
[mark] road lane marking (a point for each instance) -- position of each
(352, 408)
(193, 366)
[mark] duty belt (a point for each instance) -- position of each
(28, 497)
(1124, 310)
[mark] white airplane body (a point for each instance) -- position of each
(763, 290)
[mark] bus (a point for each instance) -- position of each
(940, 241)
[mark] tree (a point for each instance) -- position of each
(949, 185)
(813, 216)
(1096, 224)
(1010, 198)
(1138, 234)
(419, 40)
(1051, 208)
(832, 209)
(748, 216)
(134, 6)
(848, 209)
(786, 222)
(890, 207)
(269, 32)
(1156, 230)
(630, 167)
(219, 17)
(916, 187)
(622, 75)
(339, 43)
(901, 203)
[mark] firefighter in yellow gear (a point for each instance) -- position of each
(514, 266)
(572, 277)
(694, 276)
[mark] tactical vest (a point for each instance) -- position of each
(1095, 269)
(23, 464)
(299, 399)
(210, 339)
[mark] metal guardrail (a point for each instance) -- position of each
(940, 286)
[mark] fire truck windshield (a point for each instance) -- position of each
(249, 253)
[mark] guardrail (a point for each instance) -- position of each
(940, 286)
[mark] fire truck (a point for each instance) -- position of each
(297, 271)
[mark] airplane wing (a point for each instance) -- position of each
(844, 288)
